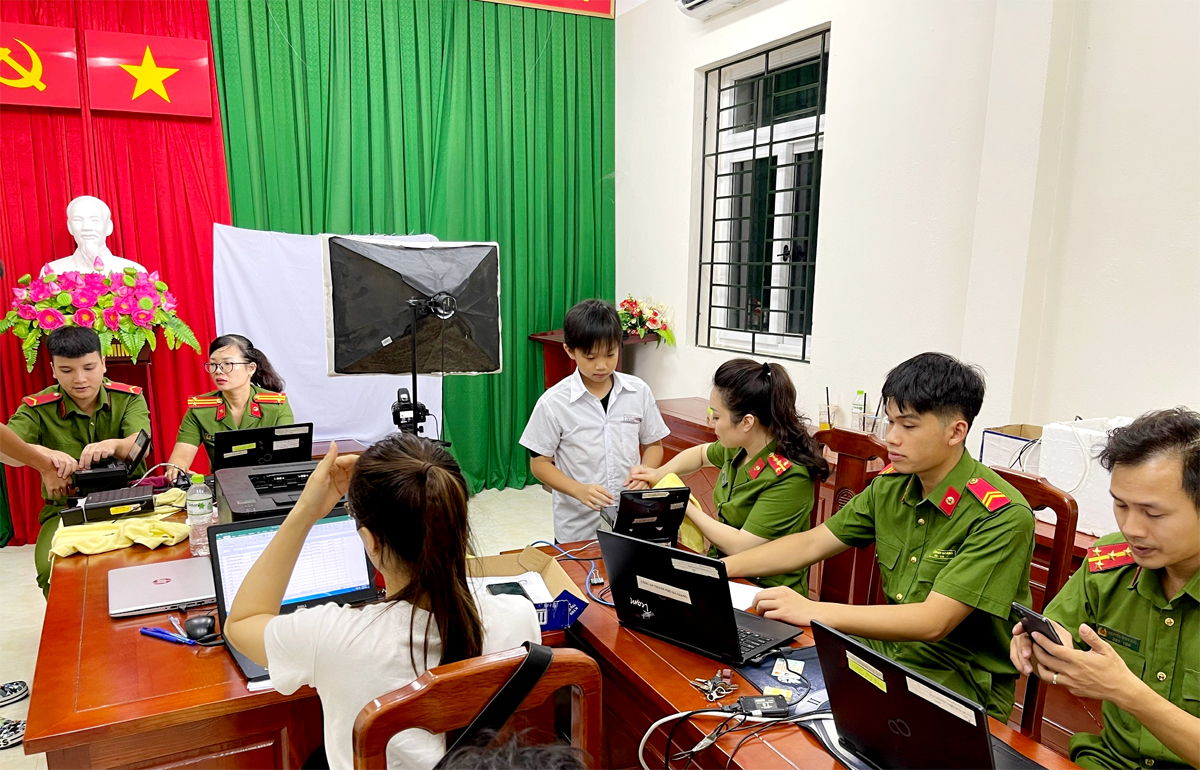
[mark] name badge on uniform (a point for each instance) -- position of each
(943, 554)
(721, 480)
(1113, 636)
(632, 419)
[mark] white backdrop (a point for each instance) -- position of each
(269, 287)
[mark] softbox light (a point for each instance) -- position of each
(375, 287)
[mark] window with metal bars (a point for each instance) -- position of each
(764, 121)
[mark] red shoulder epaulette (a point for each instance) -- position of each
(886, 469)
(121, 387)
(201, 402)
(41, 399)
(756, 469)
(270, 398)
(1102, 558)
(993, 499)
(778, 464)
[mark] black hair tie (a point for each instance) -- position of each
(766, 370)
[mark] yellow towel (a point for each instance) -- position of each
(689, 533)
(148, 530)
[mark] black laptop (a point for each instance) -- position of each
(112, 472)
(890, 717)
(683, 597)
(333, 567)
(649, 514)
(262, 446)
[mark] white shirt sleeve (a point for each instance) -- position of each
(542, 432)
(293, 644)
(653, 428)
(508, 621)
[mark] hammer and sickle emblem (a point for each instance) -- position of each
(29, 77)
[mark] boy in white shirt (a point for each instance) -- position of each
(586, 431)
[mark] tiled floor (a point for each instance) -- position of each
(501, 520)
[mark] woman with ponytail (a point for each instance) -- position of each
(769, 463)
(409, 500)
(249, 394)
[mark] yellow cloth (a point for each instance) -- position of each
(689, 533)
(148, 530)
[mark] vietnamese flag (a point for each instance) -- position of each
(38, 66)
(148, 73)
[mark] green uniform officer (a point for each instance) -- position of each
(1157, 637)
(211, 413)
(53, 419)
(765, 495)
(970, 539)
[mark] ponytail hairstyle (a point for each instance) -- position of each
(411, 495)
(765, 391)
(264, 375)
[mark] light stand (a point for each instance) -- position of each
(410, 414)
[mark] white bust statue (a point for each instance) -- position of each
(89, 220)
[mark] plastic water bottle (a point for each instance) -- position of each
(858, 411)
(199, 514)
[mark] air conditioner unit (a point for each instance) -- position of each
(706, 9)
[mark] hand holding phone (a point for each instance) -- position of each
(1032, 621)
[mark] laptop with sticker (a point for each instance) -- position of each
(683, 597)
(654, 515)
(263, 446)
(890, 717)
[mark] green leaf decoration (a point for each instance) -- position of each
(49, 278)
(107, 281)
(127, 325)
(160, 317)
(131, 271)
(183, 332)
(151, 338)
(63, 299)
(145, 303)
(106, 341)
(7, 324)
(667, 336)
(12, 315)
(25, 280)
(30, 348)
(160, 286)
(132, 340)
(21, 329)
(128, 278)
(43, 304)
(169, 336)
(106, 301)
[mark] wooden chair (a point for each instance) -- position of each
(851, 577)
(1040, 493)
(468, 685)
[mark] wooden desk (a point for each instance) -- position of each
(106, 696)
(646, 679)
(556, 364)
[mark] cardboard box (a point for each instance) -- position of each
(1004, 445)
(569, 602)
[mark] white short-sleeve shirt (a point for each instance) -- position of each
(353, 655)
(590, 445)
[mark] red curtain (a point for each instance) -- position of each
(164, 180)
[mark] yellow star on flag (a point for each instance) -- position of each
(149, 76)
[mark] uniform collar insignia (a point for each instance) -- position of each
(1102, 558)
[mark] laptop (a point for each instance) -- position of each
(333, 567)
(649, 514)
(263, 446)
(683, 597)
(160, 587)
(112, 472)
(890, 717)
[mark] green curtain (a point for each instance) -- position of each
(465, 119)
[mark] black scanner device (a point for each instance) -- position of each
(258, 491)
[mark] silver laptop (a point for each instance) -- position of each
(162, 586)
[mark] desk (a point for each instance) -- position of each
(556, 364)
(106, 696)
(646, 679)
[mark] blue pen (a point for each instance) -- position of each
(167, 636)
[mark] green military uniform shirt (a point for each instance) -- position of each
(1157, 637)
(971, 539)
(768, 496)
(210, 414)
(52, 419)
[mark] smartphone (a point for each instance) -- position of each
(516, 589)
(1032, 621)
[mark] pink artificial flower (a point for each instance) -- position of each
(94, 282)
(85, 317)
(143, 317)
(28, 312)
(50, 319)
(169, 303)
(154, 277)
(40, 291)
(125, 305)
(82, 298)
(111, 319)
(68, 281)
(121, 290)
(146, 290)
(20, 294)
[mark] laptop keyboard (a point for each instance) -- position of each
(748, 641)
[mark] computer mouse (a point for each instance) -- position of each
(199, 627)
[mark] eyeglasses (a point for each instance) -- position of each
(224, 367)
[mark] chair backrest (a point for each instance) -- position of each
(851, 577)
(1040, 493)
(448, 697)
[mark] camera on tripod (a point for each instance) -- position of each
(409, 416)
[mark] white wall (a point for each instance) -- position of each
(1014, 183)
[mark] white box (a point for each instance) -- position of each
(1068, 461)
(1010, 446)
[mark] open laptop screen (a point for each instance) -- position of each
(332, 564)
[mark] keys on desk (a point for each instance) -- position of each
(718, 687)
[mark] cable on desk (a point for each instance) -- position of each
(592, 571)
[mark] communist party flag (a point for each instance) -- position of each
(38, 66)
(148, 73)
